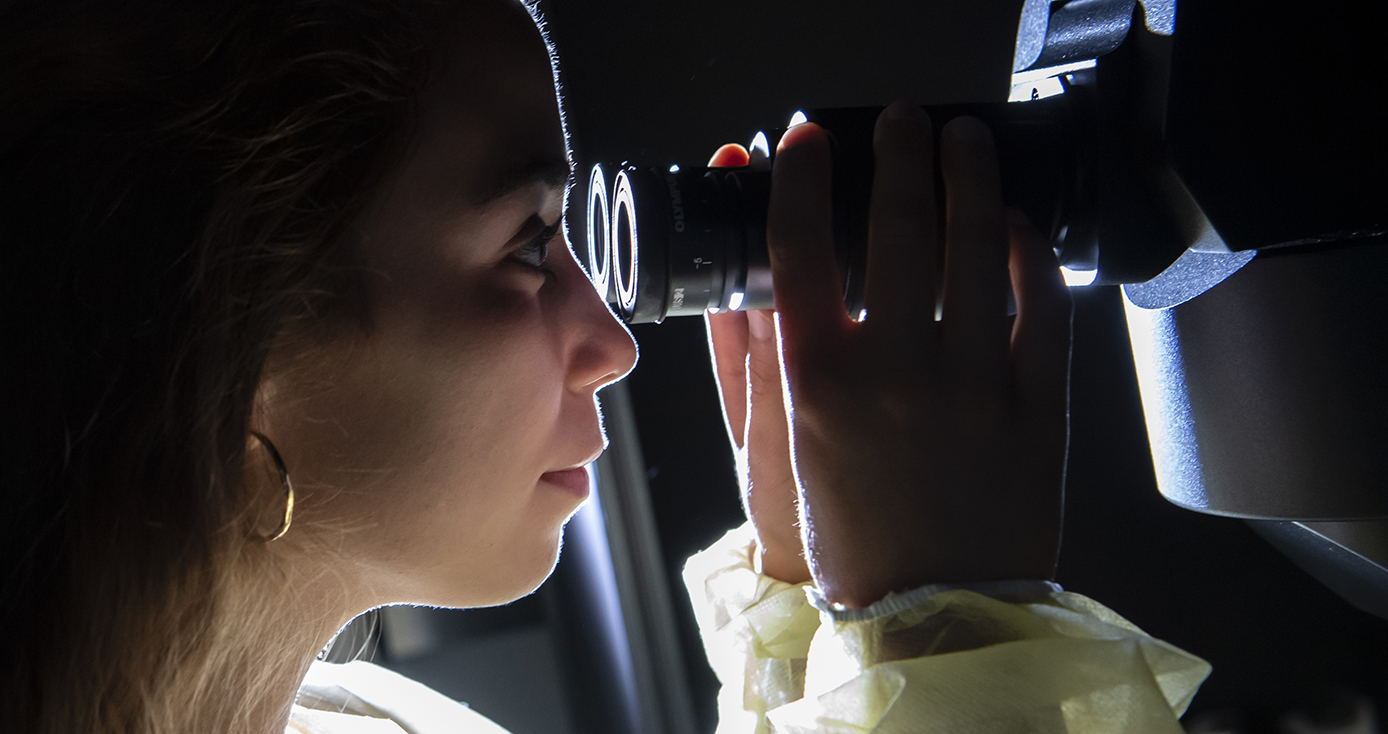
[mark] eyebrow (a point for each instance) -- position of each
(553, 172)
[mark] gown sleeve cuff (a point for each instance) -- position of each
(892, 603)
(756, 631)
(1000, 657)
(995, 657)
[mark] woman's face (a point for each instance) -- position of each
(424, 448)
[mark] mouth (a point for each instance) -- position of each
(574, 481)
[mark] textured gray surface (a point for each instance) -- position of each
(1031, 33)
(1161, 16)
(1193, 273)
(1263, 394)
(1085, 29)
(511, 677)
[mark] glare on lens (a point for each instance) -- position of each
(735, 302)
(760, 148)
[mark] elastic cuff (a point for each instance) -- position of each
(894, 603)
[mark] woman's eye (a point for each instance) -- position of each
(536, 249)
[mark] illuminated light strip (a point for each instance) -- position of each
(1078, 278)
(760, 149)
(593, 551)
(1166, 405)
(1043, 83)
(1032, 75)
(1040, 89)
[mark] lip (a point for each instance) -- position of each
(573, 481)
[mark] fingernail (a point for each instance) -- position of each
(727, 150)
(793, 135)
(759, 324)
(904, 111)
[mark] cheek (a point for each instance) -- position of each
(466, 409)
(425, 438)
(476, 393)
(465, 514)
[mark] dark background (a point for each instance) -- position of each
(666, 83)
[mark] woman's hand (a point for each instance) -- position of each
(745, 361)
(924, 451)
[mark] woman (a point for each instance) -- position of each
(319, 239)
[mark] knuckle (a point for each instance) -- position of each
(764, 376)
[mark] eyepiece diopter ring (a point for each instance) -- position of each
(599, 235)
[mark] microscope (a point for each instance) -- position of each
(1224, 163)
(1242, 206)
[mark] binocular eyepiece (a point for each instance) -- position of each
(679, 241)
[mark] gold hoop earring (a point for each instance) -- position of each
(288, 487)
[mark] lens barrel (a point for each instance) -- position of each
(689, 241)
(678, 242)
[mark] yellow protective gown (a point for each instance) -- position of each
(996, 658)
(990, 658)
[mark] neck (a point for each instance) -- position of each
(305, 610)
(294, 594)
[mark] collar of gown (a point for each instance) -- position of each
(361, 698)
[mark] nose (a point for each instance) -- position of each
(602, 351)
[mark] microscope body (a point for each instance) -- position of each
(1242, 206)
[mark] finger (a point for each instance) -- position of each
(975, 304)
(768, 432)
(1041, 334)
(800, 238)
(772, 497)
(901, 269)
(727, 344)
(731, 155)
(763, 367)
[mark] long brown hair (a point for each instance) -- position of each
(176, 180)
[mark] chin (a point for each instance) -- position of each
(541, 570)
(517, 573)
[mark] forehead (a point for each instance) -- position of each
(492, 102)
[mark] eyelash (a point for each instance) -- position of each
(533, 253)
